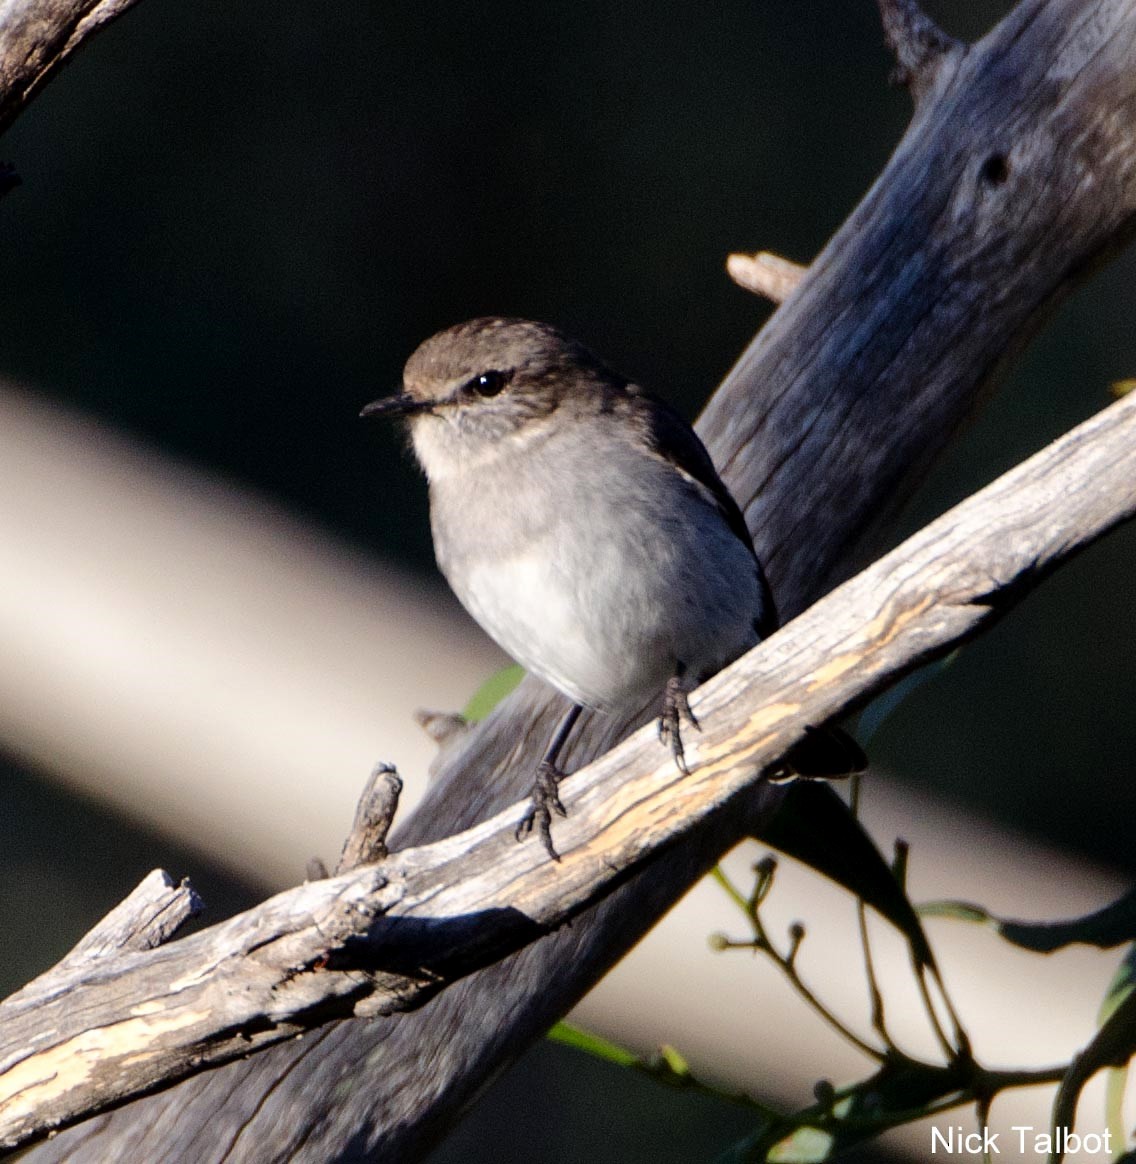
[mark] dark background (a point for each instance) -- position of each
(238, 219)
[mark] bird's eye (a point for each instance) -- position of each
(488, 383)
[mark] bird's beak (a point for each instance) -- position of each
(400, 404)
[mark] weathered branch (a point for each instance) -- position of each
(117, 1026)
(367, 843)
(151, 915)
(1016, 177)
(919, 46)
(37, 37)
(140, 1017)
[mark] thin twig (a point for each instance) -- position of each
(784, 962)
(875, 995)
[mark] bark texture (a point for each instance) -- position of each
(1016, 176)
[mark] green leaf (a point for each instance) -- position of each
(815, 826)
(1115, 1086)
(675, 1062)
(1112, 1046)
(1122, 984)
(805, 1146)
(601, 1048)
(492, 691)
(1111, 926)
(959, 911)
(669, 1067)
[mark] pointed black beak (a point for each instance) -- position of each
(400, 404)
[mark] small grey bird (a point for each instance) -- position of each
(581, 522)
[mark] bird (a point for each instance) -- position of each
(581, 522)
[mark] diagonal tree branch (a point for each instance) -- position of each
(388, 937)
(38, 37)
(1015, 179)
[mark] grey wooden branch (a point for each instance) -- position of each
(104, 1028)
(367, 842)
(128, 1021)
(1016, 176)
(37, 37)
(151, 915)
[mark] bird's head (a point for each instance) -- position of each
(480, 387)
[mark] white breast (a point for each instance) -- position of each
(595, 569)
(523, 603)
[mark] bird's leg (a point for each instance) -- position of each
(545, 797)
(676, 708)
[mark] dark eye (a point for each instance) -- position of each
(488, 383)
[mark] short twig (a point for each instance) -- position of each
(875, 995)
(918, 44)
(766, 274)
(367, 842)
(443, 727)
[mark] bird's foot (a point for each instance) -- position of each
(676, 708)
(544, 801)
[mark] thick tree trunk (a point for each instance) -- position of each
(1017, 175)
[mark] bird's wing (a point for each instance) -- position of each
(825, 752)
(674, 440)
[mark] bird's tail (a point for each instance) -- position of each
(825, 753)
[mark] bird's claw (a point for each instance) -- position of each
(544, 801)
(676, 708)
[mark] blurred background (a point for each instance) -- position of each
(218, 605)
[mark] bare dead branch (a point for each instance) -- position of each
(37, 37)
(443, 727)
(227, 989)
(151, 915)
(919, 46)
(367, 842)
(765, 274)
(383, 938)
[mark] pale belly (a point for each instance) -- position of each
(607, 621)
(569, 642)
(602, 573)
